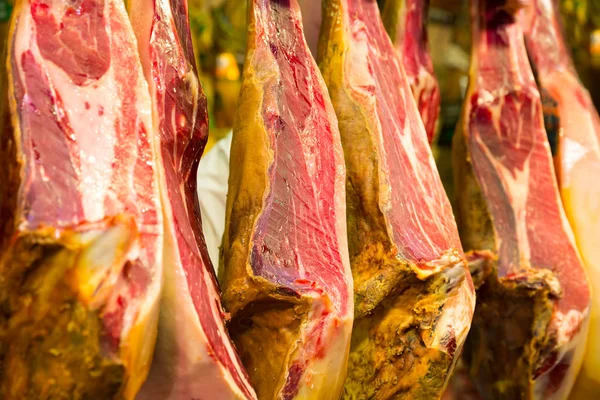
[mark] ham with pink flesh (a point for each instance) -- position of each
(533, 312)
(406, 23)
(572, 115)
(81, 259)
(194, 355)
(414, 297)
(286, 277)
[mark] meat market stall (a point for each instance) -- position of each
(299, 199)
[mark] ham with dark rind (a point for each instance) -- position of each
(414, 297)
(82, 237)
(531, 320)
(406, 23)
(573, 121)
(194, 356)
(286, 278)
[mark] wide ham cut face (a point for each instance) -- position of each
(414, 296)
(81, 244)
(406, 23)
(286, 279)
(569, 111)
(194, 355)
(532, 314)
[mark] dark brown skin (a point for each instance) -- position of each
(515, 313)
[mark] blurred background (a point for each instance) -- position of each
(220, 34)
(219, 30)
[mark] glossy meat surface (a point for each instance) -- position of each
(538, 295)
(577, 161)
(286, 276)
(194, 355)
(82, 238)
(410, 277)
(420, 217)
(406, 23)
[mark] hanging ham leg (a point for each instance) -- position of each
(406, 23)
(414, 297)
(570, 112)
(194, 356)
(286, 277)
(532, 314)
(81, 238)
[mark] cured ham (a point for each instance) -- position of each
(414, 297)
(406, 23)
(531, 320)
(573, 121)
(194, 355)
(81, 227)
(286, 278)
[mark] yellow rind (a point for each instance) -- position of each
(56, 338)
(267, 325)
(395, 312)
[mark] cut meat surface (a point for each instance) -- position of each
(532, 313)
(81, 246)
(413, 293)
(578, 159)
(406, 23)
(194, 355)
(286, 277)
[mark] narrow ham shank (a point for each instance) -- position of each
(406, 23)
(286, 277)
(532, 314)
(194, 356)
(81, 244)
(414, 297)
(572, 113)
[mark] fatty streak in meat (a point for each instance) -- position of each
(414, 296)
(532, 313)
(405, 21)
(194, 355)
(81, 245)
(569, 110)
(286, 277)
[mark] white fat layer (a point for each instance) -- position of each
(568, 344)
(457, 314)
(448, 259)
(323, 377)
(573, 153)
(580, 187)
(97, 153)
(89, 128)
(182, 352)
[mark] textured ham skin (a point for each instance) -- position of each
(82, 228)
(414, 297)
(286, 278)
(405, 22)
(194, 355)
(577, 160)
(532, 313)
